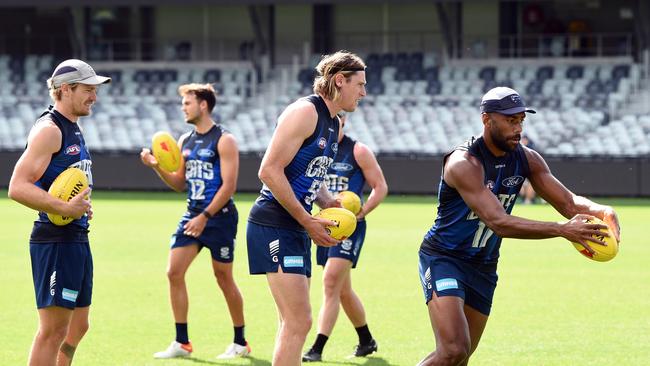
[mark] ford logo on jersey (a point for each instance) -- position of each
(513, 181)
(344, 167)
(205, 153)
(72, 150)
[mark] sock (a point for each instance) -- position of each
(181, 333)
(364, 334)
(319, 344)
(239, 336)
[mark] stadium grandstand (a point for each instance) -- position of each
(584, 65)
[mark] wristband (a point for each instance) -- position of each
(207, 214)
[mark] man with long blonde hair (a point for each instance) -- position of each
(280, 224)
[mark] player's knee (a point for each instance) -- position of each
(175, 276)
(456, 352)
(53, 334)
(222, 274)
(81, 328)
(346, 294)
(331, 284)
(299, 324)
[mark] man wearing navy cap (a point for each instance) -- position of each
(479, 186)
(62, 265)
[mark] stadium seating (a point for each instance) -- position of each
(414, 106)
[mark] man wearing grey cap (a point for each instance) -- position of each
(62, 266)
(479, 186)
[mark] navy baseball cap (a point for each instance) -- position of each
(503, 100)
(74, 71)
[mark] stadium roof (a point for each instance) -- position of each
(100, 3)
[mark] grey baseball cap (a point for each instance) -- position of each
(503, 100)
(75, 71)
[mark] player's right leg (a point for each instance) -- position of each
(235, 302)
(291, 294)
(62, 274)
(285, 257)
(443, 280)
(52, 329)
(451, 330)
(180, 259)
(76, 330)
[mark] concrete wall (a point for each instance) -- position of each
(361, 27)
(591, 177)
(229, 24)
(293, 28)
(480, 28)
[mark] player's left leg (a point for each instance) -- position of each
(226, 282)
(476, 322)
(334, 275)
(353, 308)
(76, 330)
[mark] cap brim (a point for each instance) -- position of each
(95, 80)
(515, 110)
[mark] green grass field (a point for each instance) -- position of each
(552, 306)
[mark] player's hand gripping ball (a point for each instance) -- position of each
(350, 201)
(166, 151)
(603, 253)
(68, 184)
(345, 221)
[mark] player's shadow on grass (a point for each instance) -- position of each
(248, 360)
(368, 361)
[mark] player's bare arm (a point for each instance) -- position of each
(295, 125)
(229, 160)
(464, 173)
(566, 202)
(174, 180)
(374, 177)
(43, 141)
(324, 198)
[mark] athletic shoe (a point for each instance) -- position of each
(362, 350)
(312, 356)
(235, 350)
(175, 349)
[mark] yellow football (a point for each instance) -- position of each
(603, 253)
(68, 184)
(166, 151)
(350, 201)
(345, 221)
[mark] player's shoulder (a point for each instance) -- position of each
(361, 149)
(462, 158)
(300, 117)
(45, 125)
(184, 137)
(534, 158)
(302, 106)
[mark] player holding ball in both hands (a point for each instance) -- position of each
(280, 224)
(480, 183)
(209, 171)
(62, 264)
